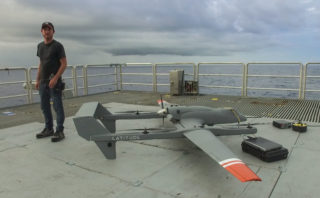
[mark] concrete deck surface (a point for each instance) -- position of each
(152, 168)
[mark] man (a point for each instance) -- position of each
(52, 64)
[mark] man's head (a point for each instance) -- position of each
(47, 31)
(47, 25)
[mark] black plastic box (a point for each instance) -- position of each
(264, 149)
(282, 124)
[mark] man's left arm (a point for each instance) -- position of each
(63, 66)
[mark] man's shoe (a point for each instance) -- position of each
(57, 136)
(45, 133)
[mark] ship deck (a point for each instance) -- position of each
(156, 168)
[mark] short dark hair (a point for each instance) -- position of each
(47, 24)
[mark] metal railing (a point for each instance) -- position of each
(86, 76)
(116, 77)
(299, 69)
(137, 74)
(16, 82)
(216, 74)
(315, 75)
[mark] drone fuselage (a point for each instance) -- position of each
(209, 116)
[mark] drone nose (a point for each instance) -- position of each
(162, 111)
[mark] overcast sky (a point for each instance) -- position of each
(118, 31)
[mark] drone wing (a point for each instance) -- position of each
(210, 144)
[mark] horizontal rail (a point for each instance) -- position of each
(273, 76)
(10, 83)
(313, 90)
(235, 75)
(98, 75)
(175, 64)
(274, 63)
(146, 84)
(137, 74)
(13, 96)
(163, 84)
(104, 65)
(100, 85)
(12, 68)
(139, 64)
(276, 89)
(216, 86)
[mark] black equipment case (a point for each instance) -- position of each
(281, 124)
(264, 149)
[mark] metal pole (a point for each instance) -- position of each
(29, 86)
(194, 72)
(85, 79)
(155, 78)
(305, 80)
(301, 83)
(74, 80)
(116, 76)
(120, 77)
(197, 72)
(245, 80)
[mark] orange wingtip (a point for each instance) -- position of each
(239, 169)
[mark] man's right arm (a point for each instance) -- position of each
(38, 76)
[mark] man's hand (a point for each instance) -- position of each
(53, 82)
(37, 84)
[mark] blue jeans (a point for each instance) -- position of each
(56, 94)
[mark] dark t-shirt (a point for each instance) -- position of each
(50, 55)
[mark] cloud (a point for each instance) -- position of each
(161, 27)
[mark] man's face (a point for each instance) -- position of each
(47, 33)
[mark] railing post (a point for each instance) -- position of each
(29, 85)
(245, 80)
(194, 72)
(85, 79)
(197, 72)
(116, 76)
(154, 78)
(302, 82)
(120, 77)
(74, 80)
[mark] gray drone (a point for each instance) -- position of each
(95, 123)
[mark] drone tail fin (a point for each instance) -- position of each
(89, 123)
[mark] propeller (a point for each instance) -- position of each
(146, 130)
(150, 129)
(137, 112)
